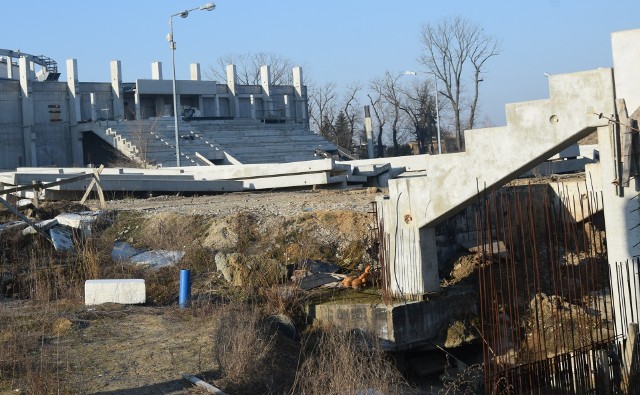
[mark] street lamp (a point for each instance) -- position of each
(435, 80)
(172, 45)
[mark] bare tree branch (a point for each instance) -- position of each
(448, 48)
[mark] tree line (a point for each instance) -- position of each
(404, 105)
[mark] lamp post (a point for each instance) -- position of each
(172, 45)
(435, 80)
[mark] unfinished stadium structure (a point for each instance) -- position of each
(47, 122)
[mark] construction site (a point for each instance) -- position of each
(216, 243)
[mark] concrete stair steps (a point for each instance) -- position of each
(535, 131)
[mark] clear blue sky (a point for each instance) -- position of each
(334, 40)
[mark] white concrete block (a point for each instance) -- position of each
(123, 291)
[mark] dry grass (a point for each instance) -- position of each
(347, 362)
(250, 353)
(247, 352)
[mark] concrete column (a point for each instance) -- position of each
(253, 106)
(116, 89)
(156, 70)
(300, 99)
(194, 69)
(94, 111)
(622, 207)
(265, 81)
(74, 112)
(287, 107)
(412, 259)
(368, 127)
(232, 79)
(138, 109)
(32, 72)
(74, 92)
(216, 105)
(9, 67)
(28, 134)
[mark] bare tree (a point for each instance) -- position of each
(450, 48)
(325, 107)
(248, 68)
(389, 88)
(419, 105)
(322, 106)
(351, 109)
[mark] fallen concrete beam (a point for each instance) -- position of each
(123, 291)
(236, 172)
(144, 185)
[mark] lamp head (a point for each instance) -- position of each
(208, 7)
(184, 14)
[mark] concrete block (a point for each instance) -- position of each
(123, 291)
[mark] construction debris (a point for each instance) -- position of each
(157, 258)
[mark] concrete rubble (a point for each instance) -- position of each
(123, 251)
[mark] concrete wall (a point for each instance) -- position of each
(12, 147)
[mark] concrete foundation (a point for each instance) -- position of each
(402, 326)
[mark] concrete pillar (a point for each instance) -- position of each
(116, 89)
(300, 99)
(287, 107)
(232, 79)
(74, 92)
(194, 69)
(28, 134)
(622, 207)
(94, 111)
(265, 81)
(412, 259)
(156, 70)
(9, 67)
(74, 112)
(253, 106)
(138, 109)
(368, 127)
(32, 72)
(216, 105)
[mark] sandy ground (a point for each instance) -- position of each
(280, 203)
